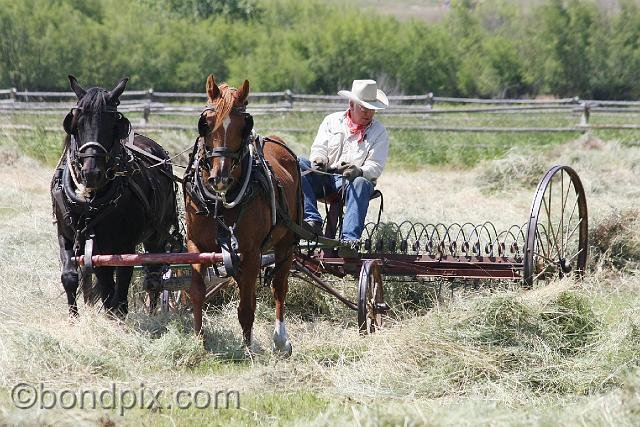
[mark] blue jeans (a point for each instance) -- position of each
(358, 193)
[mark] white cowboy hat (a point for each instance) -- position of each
(367, 94)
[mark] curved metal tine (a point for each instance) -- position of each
(447, 243)
(435, 232)
(489, 236)
(462, 232)
(368, 233)
(466, 237)
(493, 227)
(517, 235)
(423, 231)
(370, 229)
(500, 240)
(403, 237)
(455, 240)
(478, 237)
(428, 237)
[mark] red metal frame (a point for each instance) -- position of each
(470, 267)
(146, 259)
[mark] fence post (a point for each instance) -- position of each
(584, 117)
(430, 101)
(288, 98)
(146, 112)
(14, 91)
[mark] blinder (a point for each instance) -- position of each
(122, 126)
(122, 130)
(67, 124)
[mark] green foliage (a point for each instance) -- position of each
(197, 9)
(496, 49)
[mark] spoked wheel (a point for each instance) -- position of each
(164, 301)
(371, 305)
(557, 230)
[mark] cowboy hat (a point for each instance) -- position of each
(367, 94)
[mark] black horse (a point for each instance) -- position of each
(111, 191)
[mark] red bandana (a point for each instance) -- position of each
(355, 128)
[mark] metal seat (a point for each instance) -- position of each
(334, 211)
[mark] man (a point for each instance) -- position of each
(350, 148)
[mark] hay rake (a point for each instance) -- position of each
(551, 243)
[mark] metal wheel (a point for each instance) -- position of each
(556, 243)
(371, 305)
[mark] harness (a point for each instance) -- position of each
(257, 178)
(82, 211)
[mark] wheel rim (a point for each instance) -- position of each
(370, 298)
(557, 230)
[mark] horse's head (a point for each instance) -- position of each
(226, 128)
(95, 128)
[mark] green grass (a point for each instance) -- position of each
(452, 353)
(409, 149)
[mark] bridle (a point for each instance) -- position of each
(207, 196)
(77, 154)
(225, 152)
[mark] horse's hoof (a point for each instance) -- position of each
(283, 349)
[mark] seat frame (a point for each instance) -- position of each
(334, 211)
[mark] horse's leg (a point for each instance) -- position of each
(120, 303)
(153, 273)
(246, 279)
(196, 293)
(104, 283)
(284, 259)
(69, 276)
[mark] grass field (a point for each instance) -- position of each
(561, 354)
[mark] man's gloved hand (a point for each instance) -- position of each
(319, 164)
(349, 171)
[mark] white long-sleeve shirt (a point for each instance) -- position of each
(335, 143)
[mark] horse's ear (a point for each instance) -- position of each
(117, 91)
(75, 86)
(243, 92)
(213, 91)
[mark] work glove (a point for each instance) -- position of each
(319, 164)
(349, 171)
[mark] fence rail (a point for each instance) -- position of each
(149, 103)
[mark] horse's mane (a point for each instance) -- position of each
(94, 100)
(227, 99)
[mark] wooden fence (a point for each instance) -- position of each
(149, 103)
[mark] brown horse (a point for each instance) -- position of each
(234, 203)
